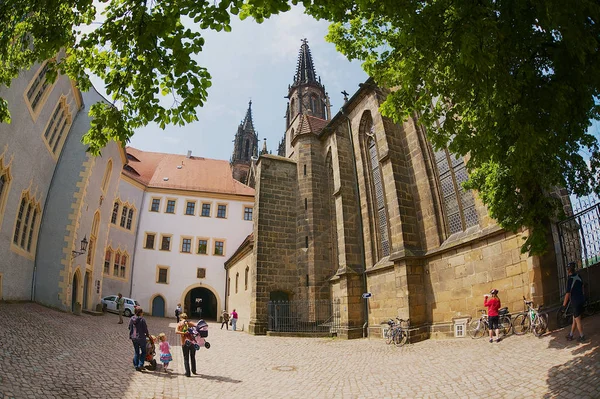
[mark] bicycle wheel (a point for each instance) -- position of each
(476, 328)
(505, 325)
(521, 324)
(388, 335)
(563, 317)
(540, 325)
(400, 338)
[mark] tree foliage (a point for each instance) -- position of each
(513, 84)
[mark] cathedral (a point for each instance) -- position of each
(363, 212)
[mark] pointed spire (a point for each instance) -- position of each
(305, 70)
(247, 123)
(264, 147)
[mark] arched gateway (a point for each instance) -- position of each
(201, 302)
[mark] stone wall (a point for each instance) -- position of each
(275, 236)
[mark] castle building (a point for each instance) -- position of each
(156, 227)
(55, 198)
(193, 214)
(359, 204)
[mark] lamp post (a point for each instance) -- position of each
(84, 244)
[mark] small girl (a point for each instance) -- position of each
(165, 351)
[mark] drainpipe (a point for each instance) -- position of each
(137, 231)
(361, 243)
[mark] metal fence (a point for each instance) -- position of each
(321, 316)
(579, 237)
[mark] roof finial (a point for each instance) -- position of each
(345, 96)
(304, 41)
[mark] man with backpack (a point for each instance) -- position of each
(576, 296)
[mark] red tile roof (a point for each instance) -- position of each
(310, 124)
(196, 173)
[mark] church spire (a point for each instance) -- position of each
(245, 146)
(247, 124)
(305, 70)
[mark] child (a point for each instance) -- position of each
(165, 351)
(493, 304)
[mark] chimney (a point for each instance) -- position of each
(189, 154)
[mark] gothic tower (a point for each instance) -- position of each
(306, 94)
(244, 148)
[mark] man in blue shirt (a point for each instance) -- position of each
(577, 298)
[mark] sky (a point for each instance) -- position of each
(258, 62)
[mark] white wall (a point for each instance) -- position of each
(121, 239)
(182, 266)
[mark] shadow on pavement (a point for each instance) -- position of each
(579, 377)
(218, 378)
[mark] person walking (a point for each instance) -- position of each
(165, 351)
(225, 321)
(178, 311)
(138, 331)
(493, 304)
(120, 305)
(189, 352)
(576, 295)
(234, 318)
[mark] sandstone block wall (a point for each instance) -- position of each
(275, 235)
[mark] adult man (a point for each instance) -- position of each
(120, 306)
(577, 298)
(189, 352)
(225, 321)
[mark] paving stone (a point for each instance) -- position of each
(49, 354)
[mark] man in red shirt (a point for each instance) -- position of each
(493, 304)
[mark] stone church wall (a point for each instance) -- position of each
(275, 236)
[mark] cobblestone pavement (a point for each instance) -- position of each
(49, 354)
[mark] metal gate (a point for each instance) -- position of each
(579, 237)
(320, 316)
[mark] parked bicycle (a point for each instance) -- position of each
(564, 316)
(478, 328)
(531, 320)
(398, 331)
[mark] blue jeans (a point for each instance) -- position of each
(139, 353)
(233, 323)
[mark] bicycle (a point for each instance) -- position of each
(478, 328)
(396, 333)
(532, 319)
(564, 316)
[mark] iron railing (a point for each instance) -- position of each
(579, 237)
(320, 316)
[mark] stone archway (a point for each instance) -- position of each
(201, 301)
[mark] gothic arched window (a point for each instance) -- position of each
(247, 149)
(313, 105)
(380, 243)
(459, 205)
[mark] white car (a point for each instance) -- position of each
(110, 303)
